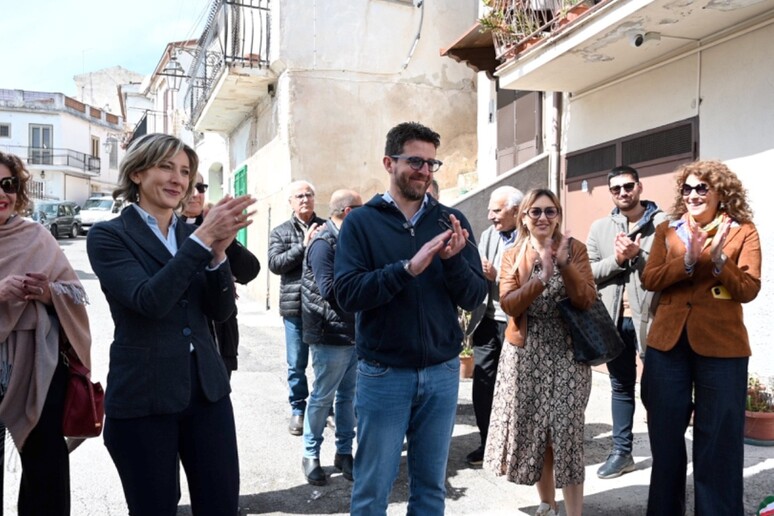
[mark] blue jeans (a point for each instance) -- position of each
(675, 383)
(391, 403)
(298, 358)
(335, 374)
(623, 377)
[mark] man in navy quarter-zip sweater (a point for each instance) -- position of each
(404, 264)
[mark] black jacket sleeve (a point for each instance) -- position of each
(244, 264)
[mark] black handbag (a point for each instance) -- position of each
(595, 338)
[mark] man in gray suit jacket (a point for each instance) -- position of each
(489, 320)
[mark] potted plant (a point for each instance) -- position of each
(466, 353)
(759, 412)
(514, 28)
(570, 11)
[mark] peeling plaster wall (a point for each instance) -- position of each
(346, 150)
(736, 119)
(341, 86)
(375, 37)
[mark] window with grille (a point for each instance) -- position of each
(674, 141)
(5, 130)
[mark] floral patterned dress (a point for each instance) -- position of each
(540, 397)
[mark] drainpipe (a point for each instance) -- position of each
(554, 143)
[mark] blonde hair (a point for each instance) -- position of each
(526, 203)
(147, 152)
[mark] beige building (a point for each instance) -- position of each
(304, 89)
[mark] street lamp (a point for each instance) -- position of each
(174, 70)
(110, 140)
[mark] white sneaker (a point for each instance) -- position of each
(545, 510)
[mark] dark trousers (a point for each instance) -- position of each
(45, 479)
(145, 451)
(623, 377)
(674, 383)
(487, 343)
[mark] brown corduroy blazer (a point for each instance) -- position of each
(715, 326)
(518, 291)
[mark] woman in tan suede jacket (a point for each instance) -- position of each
(705, 262)
(536, 427)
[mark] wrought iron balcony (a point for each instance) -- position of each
(235, 41)
(55, 157)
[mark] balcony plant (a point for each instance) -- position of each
(514, 26)
(759, 411)
(466, 353)
(570, 11)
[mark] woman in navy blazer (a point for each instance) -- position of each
(167, 389)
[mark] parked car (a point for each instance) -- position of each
(97, 209)
(58, 217)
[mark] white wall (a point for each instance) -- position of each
(487, 129)
(660, 97)
(70, 132)
(737, 126)
(736, 117)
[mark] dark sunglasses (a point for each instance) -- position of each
(702, 189)
(416, 163)
(628, 187)
(10, 185)
(201, 187)
(536, 213)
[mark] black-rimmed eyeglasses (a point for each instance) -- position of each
(201, 187)
(627, 187)
(535, 213)
(416, 163)
(10, 185)
(702, 189)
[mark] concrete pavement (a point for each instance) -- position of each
(270, 458)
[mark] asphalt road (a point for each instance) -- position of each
(270, 458)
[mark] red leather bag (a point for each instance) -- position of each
(84, 409)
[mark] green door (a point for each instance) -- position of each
(240, 188)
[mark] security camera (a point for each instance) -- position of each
(638, 39)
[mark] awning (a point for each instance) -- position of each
(475, 48)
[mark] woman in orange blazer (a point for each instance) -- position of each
(705, 262)
(536, 428)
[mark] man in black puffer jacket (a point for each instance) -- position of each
(330, 334)
(287, 243)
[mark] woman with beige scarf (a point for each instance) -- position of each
(39, 294)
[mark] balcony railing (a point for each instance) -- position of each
(56, 157)
(237, 34)
(518, 24)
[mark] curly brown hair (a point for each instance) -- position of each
(18, 170)
(733, 196)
